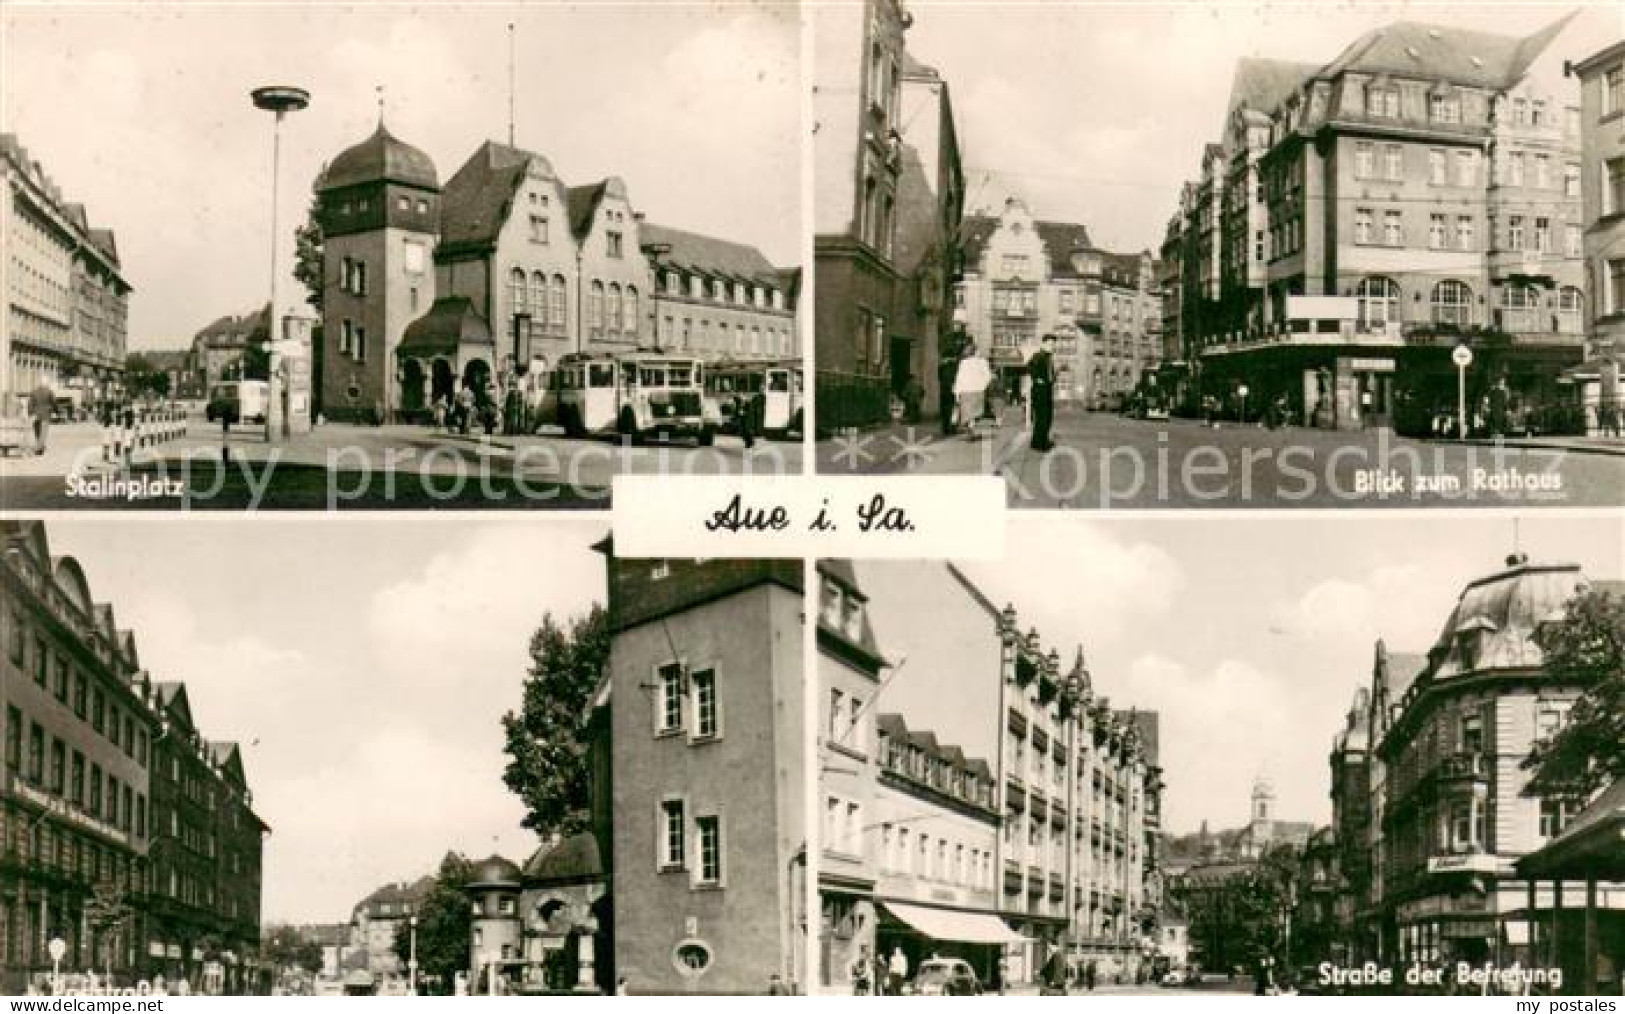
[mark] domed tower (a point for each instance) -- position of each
(1263, 801)
(494, 894)
(379, 209)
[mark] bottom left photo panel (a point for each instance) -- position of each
(300, 757)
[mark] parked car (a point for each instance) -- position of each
(946, 977)
(1173, 977)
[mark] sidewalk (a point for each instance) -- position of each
(1614, 446)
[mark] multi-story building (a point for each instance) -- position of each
(1447, 788)
(1075, 785)
(1421, 190)
(888, 196)
(1024, 278)
(67, 300)
(487, 282)
(375, 921)
(709, 839)
(718, 299)
(204, 861)
(221, 350)
(1602, 200)
(125, 834)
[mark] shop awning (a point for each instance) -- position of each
(957, 927)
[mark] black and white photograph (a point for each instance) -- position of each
(396, 257)
(489, 759)
(1222, 757)
(1222, 255)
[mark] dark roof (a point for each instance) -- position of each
(104, 241)
(450, 323)
(398, 893)
(572, 860)
(493, 871)
(1457, 55)
(1509, 606)
(381, 157)
(583, 202)
(475, 203)
(1260, 83)
(230, 331)
(708, 255)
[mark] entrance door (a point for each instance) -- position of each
(901, 361)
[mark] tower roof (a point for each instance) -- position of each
(381, 157)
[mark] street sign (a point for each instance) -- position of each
(1462, 356)
(57, 948)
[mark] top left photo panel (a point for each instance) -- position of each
(318, 257)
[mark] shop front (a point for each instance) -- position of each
(923, 932)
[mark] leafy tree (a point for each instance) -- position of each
(286, 948)
(1586, 648)
(548, 764)
(107, 912)
(310, 263)
(445, 925)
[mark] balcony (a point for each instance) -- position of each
(1035, 880)
(1057, 887)
(1012, 877)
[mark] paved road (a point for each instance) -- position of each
(1108, 461)
(351, 467)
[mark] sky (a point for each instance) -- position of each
(364, 667)
(142, 114)
(1248, 635)
(1099, 113)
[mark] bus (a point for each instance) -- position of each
(641, 395)
(779, 382)
(239, 401)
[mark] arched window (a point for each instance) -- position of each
(556, 303)
(595, 308)
(629, 320)
(516, 291)
(538, 299)
(1379, 302)
(1452, 303)
(613, 323)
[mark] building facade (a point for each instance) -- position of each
(222, 349)
(1423, 189)
(709, 837)
(1076, 787)
(888, 196)
(98, 849)
(720, 300)
(67, 300)
(1602, 200)
(1024, 278)
(1447, 800)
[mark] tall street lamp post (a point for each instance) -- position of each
(412, 956)
(281, 100)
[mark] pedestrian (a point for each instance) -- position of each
(620, 985)
(439, 413)
(1089, 973)
(896, 971)
(41, 401)
(745, 416)
(861, 968)
(947, 370)
(776, 986)
(913, 396)
(970, 387)
(1041, 374)
(882, 987)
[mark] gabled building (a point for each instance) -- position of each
(718, 299)
(222, 348)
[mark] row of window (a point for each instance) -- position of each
(55, 673)
(933, 857)
(696, 286)
(684, 844)
(771, 341)
(1450, 301)
(52, 765)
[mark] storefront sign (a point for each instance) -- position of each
(1371, 365)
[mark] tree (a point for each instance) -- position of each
(549, 766)
(1586, 648)
(445, 925)
(286, 948)
(310, 261)
(107, 911)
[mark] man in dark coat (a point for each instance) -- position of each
(1041, 369)
(947, 369)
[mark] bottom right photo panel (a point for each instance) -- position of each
(1227, 755)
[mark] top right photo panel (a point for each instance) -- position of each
(1223, 257)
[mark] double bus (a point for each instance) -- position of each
(641, 395)
(778, 381)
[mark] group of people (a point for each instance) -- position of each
(966, 378)
(465, 410)
(877, 975)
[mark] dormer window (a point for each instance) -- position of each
(852, 624)
(832, 607)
